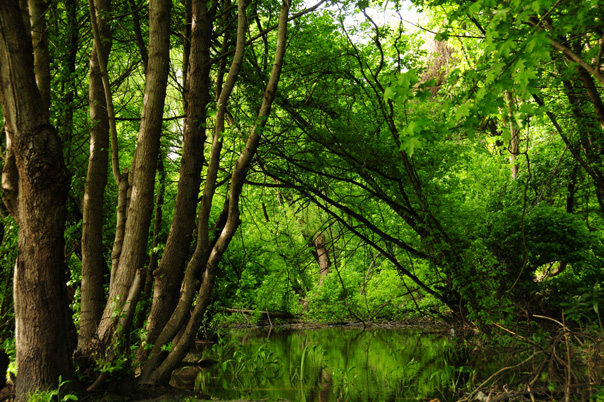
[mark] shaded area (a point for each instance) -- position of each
(333, 364)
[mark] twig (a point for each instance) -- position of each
(517, 335)
(568, 368)
(522, 363)
(551, 319)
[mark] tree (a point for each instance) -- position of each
(36, 194)
(392, 165)
(547, 48)
(93, 261)
(34, 171)
(349, 165)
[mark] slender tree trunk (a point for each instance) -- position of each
(42, 315)
(322, 257)
(39, 37)
(140, 207)
(186, 46)
(151, 374)
(170, 273)
(157, 239)
(121, 179)
(514, 148)
(138, 34)
(69, 85)
(93, 261)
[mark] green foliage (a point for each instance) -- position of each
(343, 364)
(53, 395)
(9, 347)
(327, 302)
(8, 255)
(545, 233)
(585, 307)
(241, 368)
(407, 175)
(453, 378)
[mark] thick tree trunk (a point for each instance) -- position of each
(42, 315)
(170, 273)
(93, 261)
(140, 206)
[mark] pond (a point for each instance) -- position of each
(332, 364)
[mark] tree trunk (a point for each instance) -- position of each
(39, 38)
(66, 130)
(93, 261)
(140, 207)
(42, 315)
(322, 257)
(182, 345)
(157, 239)
(514, 148)
(170, 273)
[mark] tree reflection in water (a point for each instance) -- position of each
(334, 364)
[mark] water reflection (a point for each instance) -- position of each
(331, 364)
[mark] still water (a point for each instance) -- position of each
(331, 364)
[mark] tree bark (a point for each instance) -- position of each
(170, 273)
(42, 315)
(514, 148)
(322, 257)
(182, 345)
(202, 250)
(66, 130)
(157, 239)
(39, 38)
(140, 207)
(139, 36)
(93, 261)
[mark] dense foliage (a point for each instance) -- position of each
(450, 168)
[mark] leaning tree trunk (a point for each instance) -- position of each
(239, 173)
(202, 250)
(169, 275)
(42, 315)
(140, 207)
(93, 261)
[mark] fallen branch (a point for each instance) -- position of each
(269, 314)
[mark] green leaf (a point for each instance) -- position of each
(410, 143)
(388, 94)
(463, 111)
(442, 36)
(505, 134)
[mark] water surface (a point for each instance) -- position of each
(332, 364)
